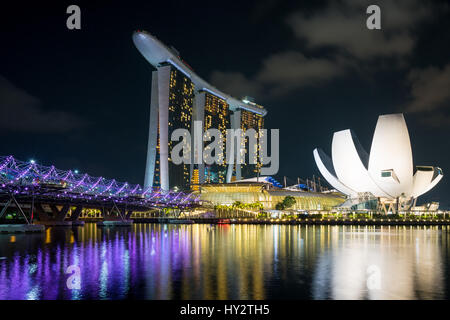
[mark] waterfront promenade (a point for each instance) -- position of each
(438, 220)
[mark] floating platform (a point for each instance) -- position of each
(115, 223)
(181, 221)
(77, 223)
(55, 223)
(18, 228)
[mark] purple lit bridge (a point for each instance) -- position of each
(34, 189)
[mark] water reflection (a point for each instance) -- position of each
(408, 263)
(155, 261)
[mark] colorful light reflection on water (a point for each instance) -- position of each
(157, 261)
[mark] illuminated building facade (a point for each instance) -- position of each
(181, 96)
(245, 119)
(178, 98)
(250, 120)
(170, 108)
(385, 174)
(229, 193)
(214, 113)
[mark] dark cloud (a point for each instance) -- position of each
(430, 95)
(279, 74)
(340, 28)
(429, 89)
(20, 111)
(288, 70)
(236, 84)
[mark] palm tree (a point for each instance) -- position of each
(289, 201)
(236, 204)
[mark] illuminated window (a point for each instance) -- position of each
(385, 174)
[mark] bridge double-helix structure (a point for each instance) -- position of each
(38, 187)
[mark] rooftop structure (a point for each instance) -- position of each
(157, 53)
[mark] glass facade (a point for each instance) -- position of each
(250, 120)
(181, 98)
(217, 116)
(227, 194)
(157, 177)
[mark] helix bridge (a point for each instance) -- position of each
(33, 184)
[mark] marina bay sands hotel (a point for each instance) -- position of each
(178, 98)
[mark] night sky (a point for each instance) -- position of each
(79, 99)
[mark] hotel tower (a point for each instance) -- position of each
(178, 98)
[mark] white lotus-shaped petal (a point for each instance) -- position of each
(391, 150)
(350, 161)
(425, 179)
(387, 172)
(325, 166)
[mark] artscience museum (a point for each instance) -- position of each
(386, 176)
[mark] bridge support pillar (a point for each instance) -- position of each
(60, 215)
(129, 213)
(5, 207)
(110, 220)
(41, 214)
(76, 213)
(12, 200)
(114, 213)
(57, 218)
(107, 214)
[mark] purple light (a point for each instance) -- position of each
(21, 175)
